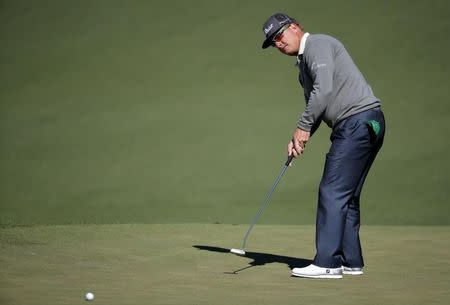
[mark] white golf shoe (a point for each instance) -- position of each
(313, 271)
(352, 271)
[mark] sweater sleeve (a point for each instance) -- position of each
(320, 64)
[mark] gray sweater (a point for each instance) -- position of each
(334, 87)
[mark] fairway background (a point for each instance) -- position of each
(169, 111)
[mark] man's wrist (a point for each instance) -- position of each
(304, 127)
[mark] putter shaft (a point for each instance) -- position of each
(266, 201)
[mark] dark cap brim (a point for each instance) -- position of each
(268, 41)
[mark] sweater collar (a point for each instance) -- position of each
(301, 50)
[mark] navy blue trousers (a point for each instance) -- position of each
(352, 152)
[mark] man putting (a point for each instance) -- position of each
(335, 92)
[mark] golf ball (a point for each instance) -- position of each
(89, 296)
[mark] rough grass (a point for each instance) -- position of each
(167, 112)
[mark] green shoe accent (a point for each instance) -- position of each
(375, 126)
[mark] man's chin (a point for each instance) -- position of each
(289, 52)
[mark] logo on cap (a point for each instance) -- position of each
(269, 28)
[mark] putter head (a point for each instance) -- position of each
(237, 251)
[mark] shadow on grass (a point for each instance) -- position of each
(260, 259)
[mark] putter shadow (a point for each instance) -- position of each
(260, 259)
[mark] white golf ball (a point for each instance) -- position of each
(89, 296)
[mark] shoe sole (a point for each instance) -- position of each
(324, 276)
(353, 272)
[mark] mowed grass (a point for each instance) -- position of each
(190, 264)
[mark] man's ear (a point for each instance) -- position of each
(295, 28)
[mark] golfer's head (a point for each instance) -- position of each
(283, 33)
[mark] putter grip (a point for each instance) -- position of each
(289, 160)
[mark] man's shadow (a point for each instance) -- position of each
(260, 259)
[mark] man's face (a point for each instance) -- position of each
(288, 41)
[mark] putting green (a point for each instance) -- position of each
(188, 264)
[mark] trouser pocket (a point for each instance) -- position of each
(374, 129)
